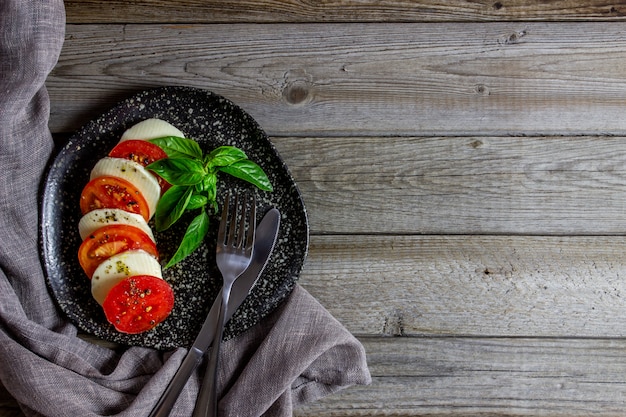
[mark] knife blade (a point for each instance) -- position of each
(266, 234)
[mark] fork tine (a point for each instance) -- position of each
(231, 238)
(251, 226)
(242, 223)
(221, 234)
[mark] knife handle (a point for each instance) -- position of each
(164, 406)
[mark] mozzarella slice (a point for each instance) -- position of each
(134, 173)
(96, 219)
(151, 129)
(126, 264)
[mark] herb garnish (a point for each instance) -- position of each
(193, 176)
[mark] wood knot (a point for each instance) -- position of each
(297, 93)
(297, 87)
(394, 325)
(481, 90)
(476, 144)
(512, 38)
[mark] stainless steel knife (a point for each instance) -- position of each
(266, 234)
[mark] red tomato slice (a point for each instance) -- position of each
(113, 192)
(111, 240)
(138, 303)
(142, 152)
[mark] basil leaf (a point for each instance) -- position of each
(250, 172)
(176, 147)
(197, 201)
(171, 206)
(179, 171)
(196, 231)
(224, 156)
(209, 185)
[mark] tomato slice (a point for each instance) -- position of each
(142, 152)
(111, 240)
(138, 303)
(113, 192)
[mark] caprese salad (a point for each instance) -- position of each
(153, 171)
(118, 251)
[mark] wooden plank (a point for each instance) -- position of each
(471, 285)
(466, 185)
(212, 11)
(485, 377)
(354, 79)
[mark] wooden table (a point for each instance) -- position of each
(463, 166)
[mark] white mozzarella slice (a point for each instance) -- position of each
(151, 129)
(132, 172)
(118, 267)
(96, 219)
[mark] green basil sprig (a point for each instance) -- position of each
(194, 177)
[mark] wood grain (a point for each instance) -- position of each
(485, 377)
(506, 286)
(468, 185)
(212, 11)
(362, 79)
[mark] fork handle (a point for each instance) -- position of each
(206, 404)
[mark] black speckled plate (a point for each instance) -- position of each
(213, 121)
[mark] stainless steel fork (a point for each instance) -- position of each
(235, 241)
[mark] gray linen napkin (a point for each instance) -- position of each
(297, 354)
